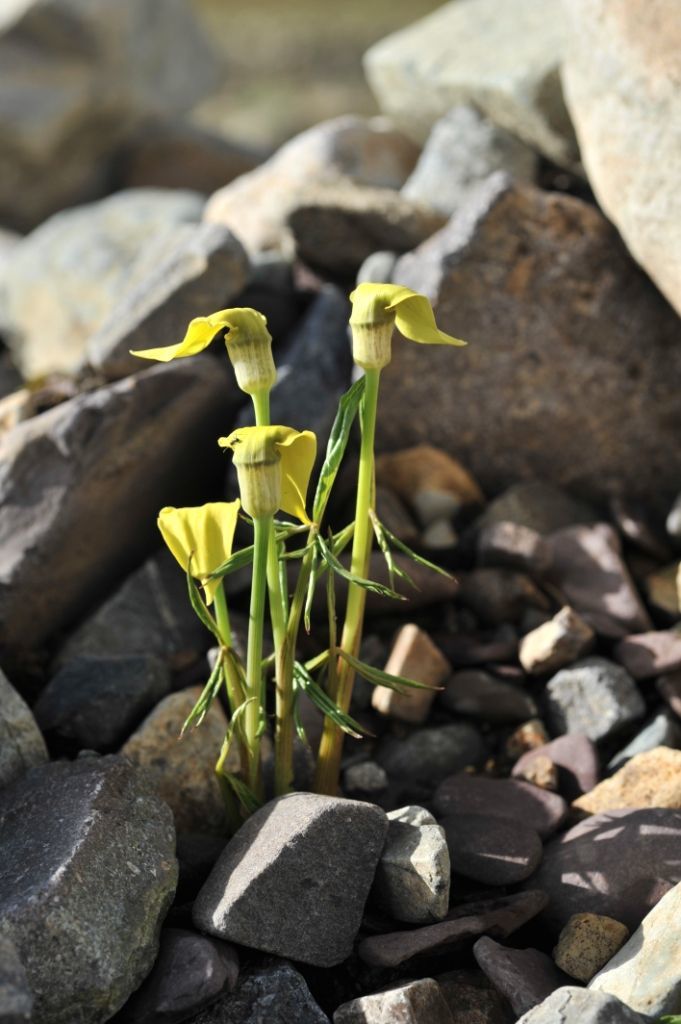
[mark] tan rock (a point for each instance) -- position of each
(540, 771)
(651, 779)
(556, 643)
(430, 480)
(586, 943)
(183, 768)
(621, 79)
(414, 656)
(528, 736)
(663, 589)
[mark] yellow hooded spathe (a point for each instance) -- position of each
(274, 465)
(204, 534)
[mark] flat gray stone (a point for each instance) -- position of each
(478, 694)
(417, 1002)
(512, 799)
(87, 873)
(16, 1001)
(572, 1005)
(595, 697)
(413, 874)
(295, 878)
(21, 743)
(493, 851)
(429, 755)
(275, 994)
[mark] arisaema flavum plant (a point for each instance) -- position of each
(274, 464)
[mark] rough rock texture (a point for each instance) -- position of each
(182, 769)
(16, 1001)
(417, 1002)
(87, 872)
(82, 483)
(556, 643)
(646, 973)
(502, 59)
(593, 696)
(295, 878)
(275, 994)
(78, 78)
(21, 743)
(413, 874)
(571, 1005)
(367, 151)
(67, 275)
(525, 976)
(553, 271)
(587, 943)
(651, 779)
(198, 269)
(637, 45)
(618, 864)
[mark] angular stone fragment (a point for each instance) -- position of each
(413, 656)
(413, 873)
(274, 994)
(525, 976)
(662, 731)
(87, 873)
(494, 851)
(558, 642)
(182, 767)
(501, 798)
(595, 697)
(652, 779)
(94, 472)
(498, 918)
(16, 1001)
(646, 973)
(587, 943)
(576, 758)
(21, 743)
(512, 546)
(295, 878)
(650, 654)
(581, 1006)
(417, 1002)
(549, 267)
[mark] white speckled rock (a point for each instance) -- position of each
(413, 874)
(594, 697)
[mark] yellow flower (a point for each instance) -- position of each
(249, 346)
(377, 308)
(205, 534)
(274, 466)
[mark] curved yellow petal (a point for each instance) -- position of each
(204, 329)
(298, 452)
(204, 533)
(414, 317)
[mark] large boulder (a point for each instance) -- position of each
(557, 381)
(87, 873)
(81, 486)
(78, 77)
(501, 58)
(621, 79)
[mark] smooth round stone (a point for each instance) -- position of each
(576, 758)
(494, 851)
(477, 693)
(513, 799)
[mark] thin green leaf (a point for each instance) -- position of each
(297, 721)
(198, 605)
(406, 550)
(393, 568)
(320, 698)
(342, 539)
(208, 695)
(335, 449)
(311, 585)
(377, 677)
(238, 560)
(334, 564)
(244, 794)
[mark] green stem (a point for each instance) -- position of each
(235, 698)
(254, 675)
(330, 747)
(261, 405)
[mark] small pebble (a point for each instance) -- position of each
(365, 777)
(413, 656)
(525, 976)
(529, 736)
(595, 697)
(576, 758)
(586, 943)
(652, 779)
(556, 643)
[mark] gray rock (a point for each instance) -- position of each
(477, 693)
(551, 422)
(572, 1005)
(463, 149)
(491, 850)
(73, 270)
(502, 60)
(21, 743)
(589, 571)
(538, 506)
(595, 697)
(501, 798)
(366, 777)
(646, 972)
(472, 1000)
(512, 546)
(662, 731)
(618, 864)
(377, 268)
(416, 1002)
(524, 976)
(295, 878)
(500, 595)
(497, 917)
(576, 758)
(413, 873)
(429, 755)
(94, 472)
(78, 79)
(97, 702)
(197, 270)
(87, 873)
(275, 994)
(148, 614)
(16, 1001)
(191, 971)
(412, 815)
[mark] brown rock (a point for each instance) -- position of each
(586, 943)
(574, 755)
(650, 654)
(413, 656)
(540, 771)
(524, 976)
(554, 273)
(501, 798)
(528, 736)
(589, 571)
(651, 779)
(556, 643)
(182, 768)
(663, 589)
(429, 479)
